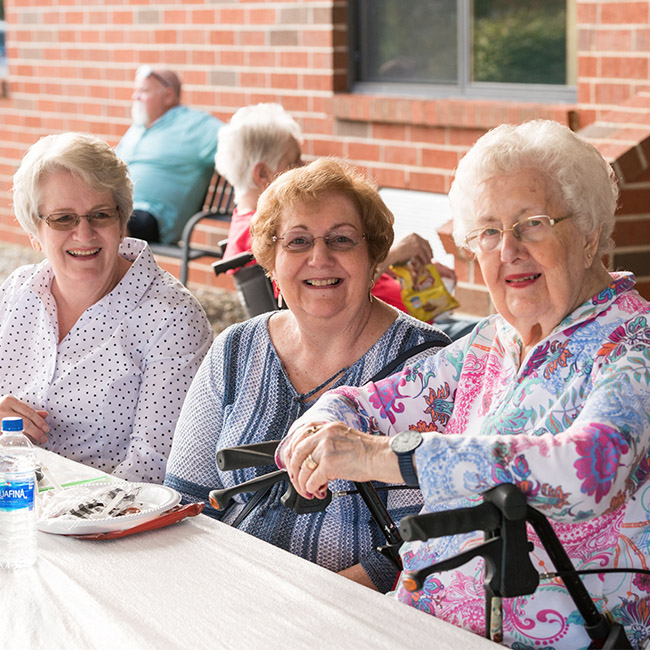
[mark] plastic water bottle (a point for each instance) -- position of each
(17, 496)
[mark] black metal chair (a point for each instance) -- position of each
(218, 206)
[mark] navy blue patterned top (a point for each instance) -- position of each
(241, 395)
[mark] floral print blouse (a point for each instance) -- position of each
(570, 426)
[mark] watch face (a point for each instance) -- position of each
(406, 441)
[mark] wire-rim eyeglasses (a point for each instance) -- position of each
(530, 230)
(338, 242)
(101, 218)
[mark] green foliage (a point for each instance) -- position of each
(525, 44)
(511, 41)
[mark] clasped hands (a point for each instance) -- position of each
(315, 453)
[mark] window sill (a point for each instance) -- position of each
(454, 112)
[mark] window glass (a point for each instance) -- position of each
(414, 43)
(519, 42)
(461, 43)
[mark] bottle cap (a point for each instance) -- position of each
(12, 424)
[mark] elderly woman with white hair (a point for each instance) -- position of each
(98, 345)
(550, 394)
(260, 142)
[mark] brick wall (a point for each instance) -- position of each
(72, 66)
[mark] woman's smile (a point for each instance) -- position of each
(323, 282)
(86, 253)
(522, 280)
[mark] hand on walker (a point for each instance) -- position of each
(34, 422)
(318, 453)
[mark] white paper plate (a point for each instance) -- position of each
(152, 500)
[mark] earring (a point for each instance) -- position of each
(36, 246)
(276, 286)
(370, 296)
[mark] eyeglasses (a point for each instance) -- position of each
(337, 241)
(530, 230)
(145, 71)
(69, 220)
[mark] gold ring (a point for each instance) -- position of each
(312, 429)
(311, 463)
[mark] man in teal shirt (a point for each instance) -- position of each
(170, 151)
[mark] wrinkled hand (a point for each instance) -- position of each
(339, 452)
(413, 249)
(34, 422)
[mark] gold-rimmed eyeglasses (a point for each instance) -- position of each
(530, 230)
(69, 220)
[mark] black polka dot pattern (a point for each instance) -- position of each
(114, 386)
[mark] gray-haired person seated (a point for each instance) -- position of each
(170, 150)
(550, 394)
(321, 231)
(98, 345)
(260, 142)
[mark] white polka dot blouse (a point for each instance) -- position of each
(114, 386)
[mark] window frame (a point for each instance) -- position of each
(464, 89)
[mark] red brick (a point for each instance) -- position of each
(203, 17)
(388, 177)
(612, 93)
(624, 12)
(315, 38)
(175, 16)
(633, 201)
(221, 37)
(291, 59)
(587, 66)
(262, 17)
(251, 39)
(614, 40)
(362, 151)
(406, 154)
(235, 17)
(624, 67)
(431, 182)
(284, 81)
(440, 158)
(587, 12)
(633, 232)
(319, 82)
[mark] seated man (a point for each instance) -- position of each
(262, 141)
(170, 150)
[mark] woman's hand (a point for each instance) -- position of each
(413, 249)
(318, 453)
(34, 422)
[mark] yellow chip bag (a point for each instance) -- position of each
(427, 297)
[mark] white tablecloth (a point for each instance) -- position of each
(199, 584)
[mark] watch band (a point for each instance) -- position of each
(407, 469)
